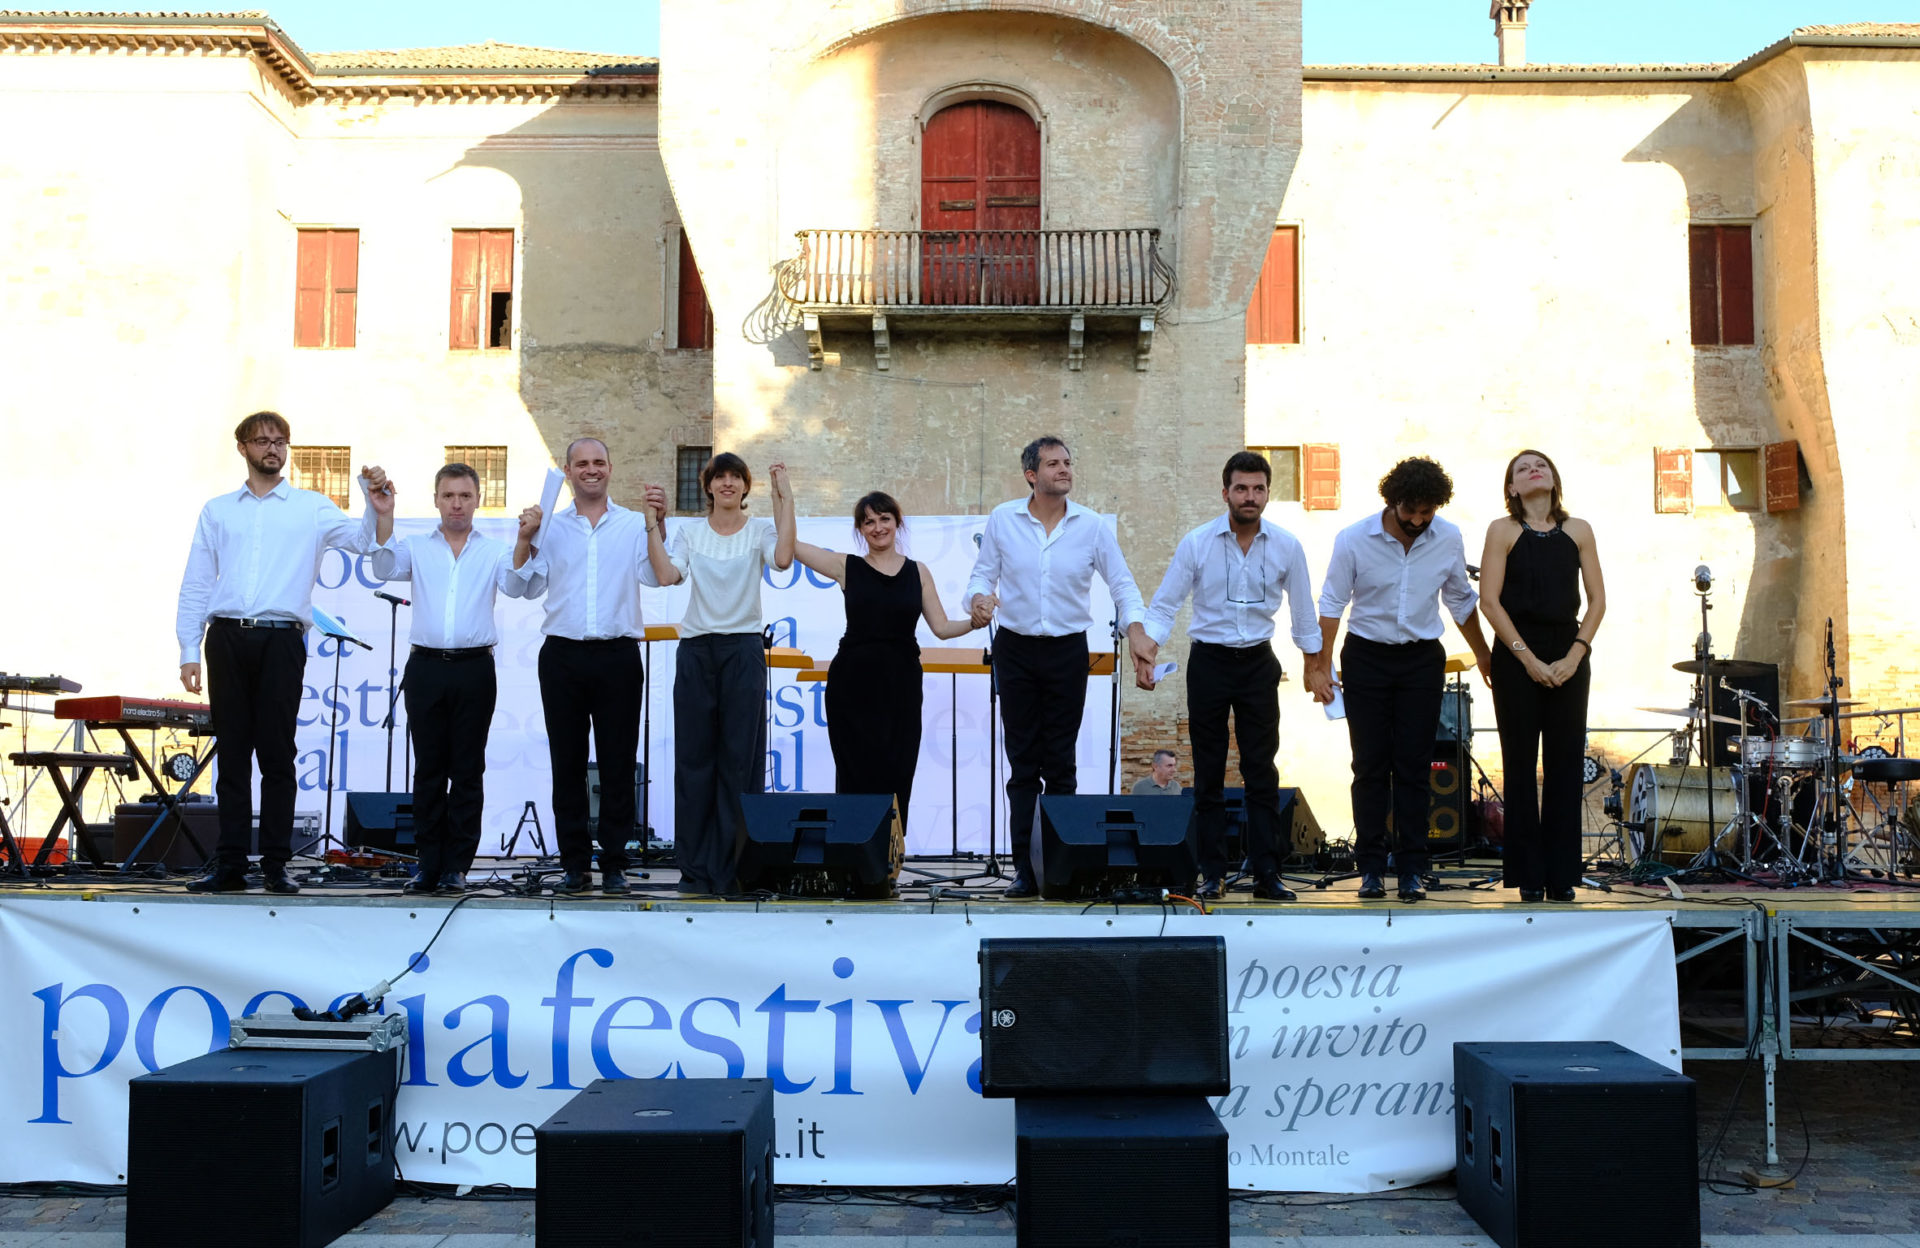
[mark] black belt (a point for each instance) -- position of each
(1221, 645)
(468, 652)
(256, 622)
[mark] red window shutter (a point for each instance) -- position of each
(1736, 284)
(465, 334)
(1320, 476)
(498, 260)
(1703, 284)
(1273, 312)
(344, 246)
(1672, 482)
(696, 314)
(310, 290)
(1781, 464)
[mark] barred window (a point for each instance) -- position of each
(688, 496)
(324, 470)
(491, 463)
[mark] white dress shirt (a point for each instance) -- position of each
(1236, 594)
(452, 594)
(1042, 578)
(256, 557)
(1396, 590)
(590, 574)
(723, 573)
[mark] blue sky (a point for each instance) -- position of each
(1336, 30)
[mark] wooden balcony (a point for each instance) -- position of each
(993, 279)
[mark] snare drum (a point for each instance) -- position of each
(1785, 753)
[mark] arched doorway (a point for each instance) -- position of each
(980, 205)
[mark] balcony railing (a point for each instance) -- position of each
(978, 270)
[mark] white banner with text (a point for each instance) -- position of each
(1341, 1026)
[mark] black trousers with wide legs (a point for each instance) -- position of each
(719, 752)
(1393, 695)
(1043, 693)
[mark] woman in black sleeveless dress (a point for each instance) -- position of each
(873, 685)
(1537, 560)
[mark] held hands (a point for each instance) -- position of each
(529, 525)
(782, 490)
(190, 677)
(1319, 680)
(1145, 651)
(379, 488)
(656, 503)
(1541, 673)
(981, 610)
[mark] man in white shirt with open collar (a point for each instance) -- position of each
(1237, 567)
(1395, 568)
(1038, 555)
(450, 682)
(248, 589)
(590, 572)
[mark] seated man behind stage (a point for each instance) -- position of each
(450, 680)
(249, 588)
(1163, 780)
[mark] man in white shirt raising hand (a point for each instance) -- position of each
(248, 588)
(1395, 568)
(1038, 555)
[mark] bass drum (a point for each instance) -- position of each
(1671, 805)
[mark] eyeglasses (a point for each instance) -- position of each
(267, 444)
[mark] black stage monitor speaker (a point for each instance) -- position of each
(184, 842)
(380, 821)
(1305, 839)
(821, 844)
(1117, 1015)
(1100, 845)
(1100, 1172)
(260, 1146)
(1542, 1127)
(680, 1162)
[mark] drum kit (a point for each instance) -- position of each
(1792, 807)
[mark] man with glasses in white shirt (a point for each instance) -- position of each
(1238, 568)
(1035, 567)
(450, 682)
(1395, 568)
(590, 571)
(248, 596)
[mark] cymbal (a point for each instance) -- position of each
(1823, 702)
(1684, 712)
(1733, 669)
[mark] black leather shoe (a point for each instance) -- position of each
(1559, 894)
(1269, 888)
(1412, 888)
(1372, 887)
(1531, 895)
(613, 882)
(1210, 889)
(419, 885)
(452, 882)
(276, 881)
(575, 882)
(1022, 886)
(219, 880)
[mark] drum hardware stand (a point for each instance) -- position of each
(1703, 694)
(341, 639)
(529, 822)
(394, 603)
(1113, 721)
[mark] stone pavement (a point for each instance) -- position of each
(1859, 1187)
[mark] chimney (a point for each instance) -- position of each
(1510, 28)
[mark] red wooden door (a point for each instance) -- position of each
(980, 179)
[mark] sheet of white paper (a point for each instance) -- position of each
(1337, 709)
(549, 499)
(1164, 670)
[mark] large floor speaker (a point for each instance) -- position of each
(1305, 835)
(185, 841)
(286, 1148)
(1447, 792)
(380, 821)
(677, 1163)
(821, 844)
(1099, 844)
(1542, 1127)
(1101, 1172)
(1117, 1015)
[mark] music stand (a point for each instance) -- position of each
(327, 626)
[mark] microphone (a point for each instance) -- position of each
(1702, 579)
(396, 601)
(976, 541)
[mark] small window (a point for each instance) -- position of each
(1286, 472)
(491, 463)
(1273, 314)
(326, 288)
(1727, 477)
(1720, 284)
(688, 461)
(482, 290)
(696, 314)
(324, 470)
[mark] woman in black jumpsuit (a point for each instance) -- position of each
(1537, 560)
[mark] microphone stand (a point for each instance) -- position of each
(1113, 719)
(993, 754)
(393, 672)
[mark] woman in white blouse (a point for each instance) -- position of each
(719, 680)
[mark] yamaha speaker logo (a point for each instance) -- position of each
(1004, 1018)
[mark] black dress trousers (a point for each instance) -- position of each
(450, 704)
(1393, 695)
(1043, 694)
(254, 682)
(592, 688)
(1243, 680)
